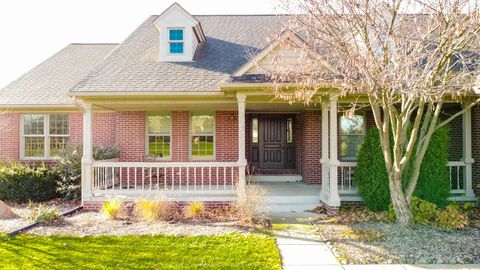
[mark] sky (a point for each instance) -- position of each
(33, 30)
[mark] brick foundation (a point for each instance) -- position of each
(97, 206)
(332, 210)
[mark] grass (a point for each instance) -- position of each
(139, 252)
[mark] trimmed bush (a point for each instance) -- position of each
(434, 179)
(371, 174)
(433, 182)
(23, 183)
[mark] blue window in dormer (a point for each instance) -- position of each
(175, 40)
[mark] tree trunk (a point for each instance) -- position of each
(400, 204)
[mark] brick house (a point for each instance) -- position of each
(192, 116)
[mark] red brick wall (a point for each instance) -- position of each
(476, 148)
(10, 134)
(311, 136)
(130, 135)
(226, 136)
(180, 136)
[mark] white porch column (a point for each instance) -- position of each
(242, 161)
(334, 198)
(87, 158)
(324, 193)
(467, 130)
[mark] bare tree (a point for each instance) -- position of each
(406, 57)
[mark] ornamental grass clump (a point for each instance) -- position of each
(152, 210)
(195, 210)
(42, 213)
(112, 209)
(251, 207)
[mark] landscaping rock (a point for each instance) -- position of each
(6, 212)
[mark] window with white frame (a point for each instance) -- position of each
(44, 135)
(352, 134)
(202, 135)
(159, 134)
(175, 41)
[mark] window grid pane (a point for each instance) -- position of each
(34, 146)
(57, 144)
(176, 34)
(352, 134)
(202, 140)
(176, 47)
(34, 124)
(58, 124)
(159, 146)
(159, 124)
(202, 146)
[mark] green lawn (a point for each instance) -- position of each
(139, 252)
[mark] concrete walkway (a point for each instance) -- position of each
(301, 249)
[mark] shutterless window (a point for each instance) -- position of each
(289, 130)
(175, 41)
(44, 135)
(202, 135)
(352, 134)
(159, 134)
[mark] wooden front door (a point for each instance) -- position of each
(272, 146)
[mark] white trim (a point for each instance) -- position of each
(147, 135)
(190, 135)
(467, 135)
(169, 41)
(287, 34)
(176, 5)
(277, 178)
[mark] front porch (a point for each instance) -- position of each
(315, 172)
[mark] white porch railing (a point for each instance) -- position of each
(347, 185)
(346, 180)
(172, 177)
(457, 176)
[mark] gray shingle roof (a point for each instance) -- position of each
(134, 65)
(49, 82)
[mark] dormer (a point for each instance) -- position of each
(180, 34)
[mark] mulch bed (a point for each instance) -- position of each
(86, 223)
(394, 244)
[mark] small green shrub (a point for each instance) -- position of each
(424, 212)
(371, 174)
(112, 209)
(43, 213)
(69, 168)
(105, 152)
(195, 210)
(23, 183)
(452, 218)
(152, 210)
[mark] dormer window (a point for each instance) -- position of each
(175, 40)
(179, 35)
